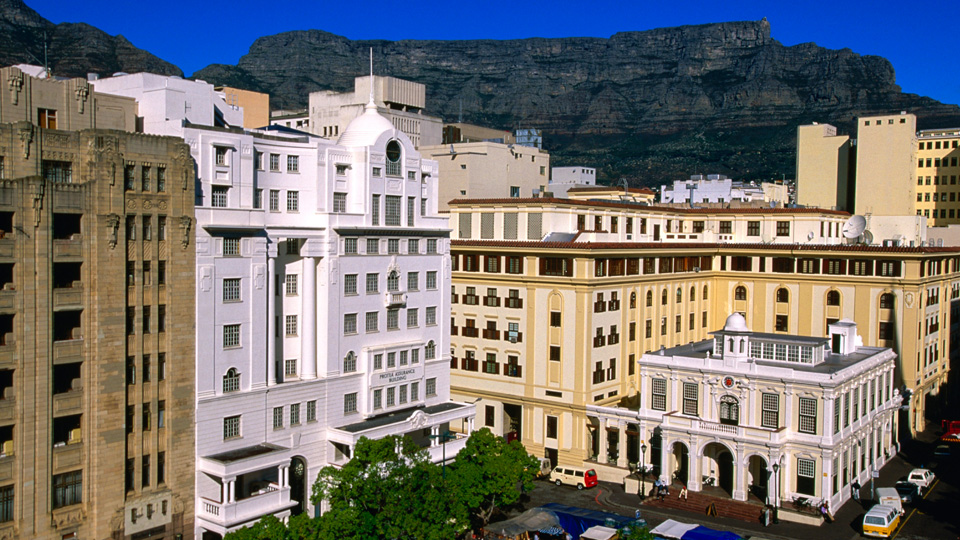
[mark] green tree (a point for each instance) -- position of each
(636, 533)
(490, 473)
(389, 489)
(268, 528)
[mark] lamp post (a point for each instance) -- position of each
(776, 492)
(443, 438)
(643, 470)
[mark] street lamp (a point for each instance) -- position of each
(643, 470)
(776, 492)
(443, 438)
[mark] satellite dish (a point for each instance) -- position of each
(810, 236)
(866, 238)
(766, 238)
(854, 227)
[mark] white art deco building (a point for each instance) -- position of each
(323, 283)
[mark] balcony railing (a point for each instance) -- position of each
(253, 507)
(395, 299)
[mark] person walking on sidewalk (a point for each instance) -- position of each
(683, 491)
(825, 512)
(855, 491)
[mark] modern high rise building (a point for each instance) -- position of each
(96, 330)
(888, 169)
(322, 306)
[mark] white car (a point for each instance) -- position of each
(922, 478)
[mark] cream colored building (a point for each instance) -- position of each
(255, 105)
(459, 132)
(66, 104)
(611, 193)
(890, 169)
(554, 301)
(399, 101)
(488, 170)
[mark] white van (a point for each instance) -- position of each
(881, 520)
(574, 476)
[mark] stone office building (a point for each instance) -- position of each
(96, 334)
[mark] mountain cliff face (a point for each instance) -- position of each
(650, 106)
(73, 49)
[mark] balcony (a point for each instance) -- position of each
(8, 407)
(227, 515)
(67, 456)
(71, 248)
(7, 357)
(67, 297)
(8, 297)
(709, 428)
(394, 300)
(453, 446)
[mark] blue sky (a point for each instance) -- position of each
(918, 39)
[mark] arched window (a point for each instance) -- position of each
(679, 295)
(887, 300)
(704, 292)
(231, 381)
(633, 299)
(350, 362)
(740, 293)
(693, 293)
(393, 282)
(783, 295)
(649, 298)
(663, 297)
(430, 351)
(833, 298)
(729, 410)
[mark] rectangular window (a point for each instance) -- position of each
(161, 467)
(431, 280)
(231, 247)
(350, 323)
(391, 211)
(290, 367)
(161, 179)
(294, 414)
(275, 162)
(350, 284)
(431, 246)
(431, 387)
(431, 316)
(231, 427)
(836, 415)
(783, 228)
(806, 476)
(274, 200)
(413, 246)
(691, 405)
(412, 318)
(220, 153)
(291, 325)
(413, 281)
(350, 403)
(378, 398)
(278, 418)
(231, 335)
(350, 246)
(372, 322)
(67, 489)
(658, 401)
(770, 414)
(411, 210)
(808, 415)
(393, 319)
(373, 246)
(391, 396)
(47, 118)
(753, 228)
(293, 164)
(231, 290)
(293, 201)
(218, 198)
(373, 283)
(290, 285)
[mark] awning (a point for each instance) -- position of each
(673, 529)
(706, 533)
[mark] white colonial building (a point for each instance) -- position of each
(724, 411)
(323, 285)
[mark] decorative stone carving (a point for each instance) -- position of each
(15, 82)
(40, 189)
(185, 224)
(26, 137)
(418, 420)
(82, 91)
(67, 518)
(113, 225)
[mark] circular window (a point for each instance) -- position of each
(393, 151)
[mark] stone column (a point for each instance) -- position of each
(602, 442)
(308, 338)
(739, 475)
(435, 436)
(622, 446)
(271, 321)
(232, 491)
(224, 490)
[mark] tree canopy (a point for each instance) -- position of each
(390, 489)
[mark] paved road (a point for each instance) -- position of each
(935, 517)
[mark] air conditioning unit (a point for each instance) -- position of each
(512, 337)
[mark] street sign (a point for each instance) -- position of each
(876, 473)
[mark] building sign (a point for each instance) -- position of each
(396, 376)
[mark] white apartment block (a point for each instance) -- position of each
(727, 409)
(401, 102)
(323, 316)
(165, 104)
(717, 188)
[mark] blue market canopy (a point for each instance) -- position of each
(705, 533)
(577, 520)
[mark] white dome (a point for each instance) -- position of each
(736, 323)
(365, 129)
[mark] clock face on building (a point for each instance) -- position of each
(727, 382)
(393, 151)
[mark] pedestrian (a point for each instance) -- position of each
(825, 511)
(683, 491)
(855, 490)
(636, 514)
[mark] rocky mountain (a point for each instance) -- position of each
(650, 106)
(73, 49)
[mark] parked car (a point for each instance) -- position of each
(881, 521)
(943, 450)
(923, 478)
(574, 476)
(908, 492)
